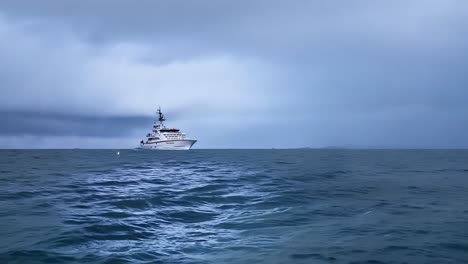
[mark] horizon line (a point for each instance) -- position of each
(273, 148)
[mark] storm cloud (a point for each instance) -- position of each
(253, 74)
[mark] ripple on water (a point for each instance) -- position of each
(116, 232)
(115, 214)
(140, 204)
(113, 183)
(189, 216)
(456, 246)
(38, 256)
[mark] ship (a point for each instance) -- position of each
(163, 138)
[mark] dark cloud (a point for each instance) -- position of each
(296, 31)
(387, 73)
(17, 123)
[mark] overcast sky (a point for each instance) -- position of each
(235, 74)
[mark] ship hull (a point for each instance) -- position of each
(185, 144)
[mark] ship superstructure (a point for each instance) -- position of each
(163, 138)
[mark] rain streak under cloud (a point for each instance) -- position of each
(253, 74)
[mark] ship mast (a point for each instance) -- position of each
(161, 118)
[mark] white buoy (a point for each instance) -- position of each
(118, 152)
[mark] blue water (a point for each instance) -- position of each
(234, 206)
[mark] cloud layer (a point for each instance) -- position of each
(361, 74)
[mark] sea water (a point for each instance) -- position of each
(234, 206)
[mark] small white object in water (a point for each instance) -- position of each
(118, 152)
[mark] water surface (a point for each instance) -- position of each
(234, 206)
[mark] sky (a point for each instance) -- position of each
(235, 74)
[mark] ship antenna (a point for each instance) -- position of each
(161, 117)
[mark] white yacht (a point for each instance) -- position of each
(165, 138)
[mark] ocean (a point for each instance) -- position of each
(234, 206)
